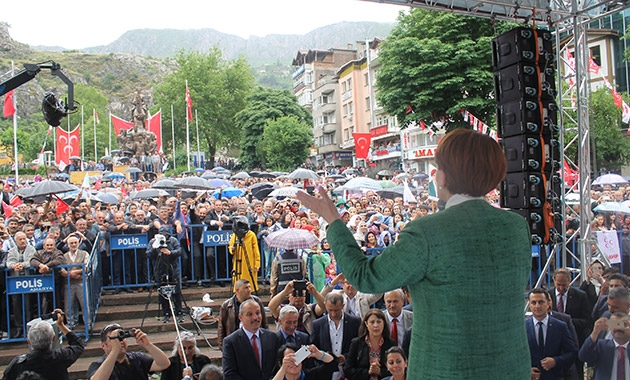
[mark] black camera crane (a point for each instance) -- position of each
(53, 109)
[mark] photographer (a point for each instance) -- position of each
(118, 364)
(246, 256)
(164, 251)
(42, 359)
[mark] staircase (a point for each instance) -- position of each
(128, 310)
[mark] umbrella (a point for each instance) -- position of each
(288, 191)
(420, 176)
(217, 182)
(363, 183)
(303, 174)
(164, 184)
(402, 175)
(278, 174)
(133, 169)
(613, 207)
(261, 185)
(228, 192)
(394, 192)
(63, 175)
(341, 180)
(77, 158)
(148, 193)
(115, 175)
(386, 172)
(223, 175)
(48, 187)
(72, 195)
(254, 173)
(123, 159)
(336, 176)
(199, 170)
(208, 175)
(197, 183)
(241, 175)
(116, 151)
(609, 179)
(218, 169)
(263, 192)
(110, 190)
(572, 199)
(292, 238)
(265, 175)
(106, 158)
(108, 198)
(387, 184)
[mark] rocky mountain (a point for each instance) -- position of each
(271, 49)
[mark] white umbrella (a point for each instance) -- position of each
(613, 207)
(289, 191)
(303, 174)
(363, 183)
(609, 179)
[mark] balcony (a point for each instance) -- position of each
(331, 128)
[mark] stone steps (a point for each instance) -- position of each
(127, 309)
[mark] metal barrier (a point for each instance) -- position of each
(48, 291)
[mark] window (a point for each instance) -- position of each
(368, 104)
(351, 108)
(366, 77)
(596, 55)
(349, 84)
(343, 87)
(308, 78)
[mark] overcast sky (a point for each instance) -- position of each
(75, 24)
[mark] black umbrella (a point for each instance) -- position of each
(196, 183)
(261, 193)
(391, 193)
(265, 175)
(148, 193)
(164, 184)
(241, 175)
(261, 185)
(48, 187)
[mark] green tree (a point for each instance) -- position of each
(91, 100)
(265, 105)
(438, 63)
(218, 89)
(286, 142)
(610, 145)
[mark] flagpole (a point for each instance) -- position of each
(187, 134)
(110, 131)
(15, 147)
(173, 136)
(198, 149)
(94, 117)
(161, 148)
(82, 138)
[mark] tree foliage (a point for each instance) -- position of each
(610, 147)
(438, 63)
(218, 89)
(286, 142)
(265, 105)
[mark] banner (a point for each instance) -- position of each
(120, 124)
(362, 143)
(188, 103)
(68, 145)
(9, 107)
(608, 243)
(154, 124)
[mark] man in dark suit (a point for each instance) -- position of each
(609, 356)
(288, 321)
(615, 280)
(551, 346)
(249, 352)
(572, 372)
(569, 300)
(346, 327)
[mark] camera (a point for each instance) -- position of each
(299, 288)
(122, 334)
(53, 316)
(159, 242)
(240, 227)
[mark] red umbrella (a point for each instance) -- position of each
(291, 238)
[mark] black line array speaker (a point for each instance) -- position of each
(525, 92)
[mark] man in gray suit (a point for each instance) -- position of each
(355, 302)
(399, 320)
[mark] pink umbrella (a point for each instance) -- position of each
(292, 238)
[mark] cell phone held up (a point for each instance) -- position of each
(299, 288)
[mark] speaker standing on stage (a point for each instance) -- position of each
(245, 253)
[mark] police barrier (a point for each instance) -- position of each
(32, 295)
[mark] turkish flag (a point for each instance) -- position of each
(68, 144)
(61, 207)
(6, 210)
(617, 98)
(154, 124)
(592, 66)
(120, 124)
(362, 143)
(15, 201)
(9, 107)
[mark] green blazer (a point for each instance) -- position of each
(466, 268)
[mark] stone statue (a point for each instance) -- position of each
(138, 140)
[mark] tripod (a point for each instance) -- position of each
(240, 251)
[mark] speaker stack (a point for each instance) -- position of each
(527, 115)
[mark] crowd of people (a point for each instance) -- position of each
(353, 325)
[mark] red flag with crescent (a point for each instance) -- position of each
(362, 143)
(68, 144)
(154, 124)
(9, 107)
(188, 103)
(120, 124)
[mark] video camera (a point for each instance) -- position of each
(299, 288)
(159, 241)
(53, 316)
(240, 226)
